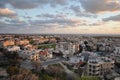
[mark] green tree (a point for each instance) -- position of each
(46, 77)
(90, 78)
(24, 74)
(12, 70)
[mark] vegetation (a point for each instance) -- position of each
(43, 46)
(12, 70)
(90, 78)
(17, 73)
(56, 71)
(36, 64)
(9, 58)
(32, 42)
(13, 58)
(52, 72)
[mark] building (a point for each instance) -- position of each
(71, 48)
(45, 54)
(117, 50)
(21, 42)
(52, 40)
(13, 48)
(30, 55)
(66, 48)
(99, 66)
(5, 43)
(76, 59)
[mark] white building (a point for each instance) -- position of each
(13, 48)
(99, 66)
(71, 48)
(66, 48)
(30, 55)
(76, 59)
(117, 50)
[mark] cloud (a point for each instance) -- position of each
(99, 6)
(54, 3)
(3, 3)
(5, 12)
(84, 14)
(96, 23)
(29, 4)
(27, 17)
(15, 21)
(20, 4)
(13, 26)
(60, 21)
(78, 12)
(3, 25)
(24, 4)
(113, 18)
(76, 9)
(47, 15)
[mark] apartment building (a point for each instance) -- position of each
(66, 47)
(117, 50)
(99, 66)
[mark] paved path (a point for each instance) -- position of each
(69, 71)
(66, 69)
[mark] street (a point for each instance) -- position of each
(46, 63)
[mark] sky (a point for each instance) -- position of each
(60, 16)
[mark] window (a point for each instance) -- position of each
(93, 71)
(94, 66)
(90, 66)
(89, 73)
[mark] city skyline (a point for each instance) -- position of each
(60, 16)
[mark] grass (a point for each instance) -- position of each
(43, 46)
(90, 78)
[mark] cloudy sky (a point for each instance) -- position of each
(60, 16)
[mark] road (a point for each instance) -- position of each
(58, 60)
(69, 71)
(53, 61)
(66, 69)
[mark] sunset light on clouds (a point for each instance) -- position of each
(60, 16)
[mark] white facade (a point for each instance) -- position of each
(30, 55)
(71, 48)
(13, 48)
(76, 59)
(117, 50)
(50, 56)
(66, 48)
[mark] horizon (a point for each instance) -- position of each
(110, 35)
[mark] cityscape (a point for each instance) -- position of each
(59, 40)
(59, 57)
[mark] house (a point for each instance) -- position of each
(30, 55)
(21, 41)
(5, 43)
(45, 54)
(12, 48)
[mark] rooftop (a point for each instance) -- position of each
(99, 60)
